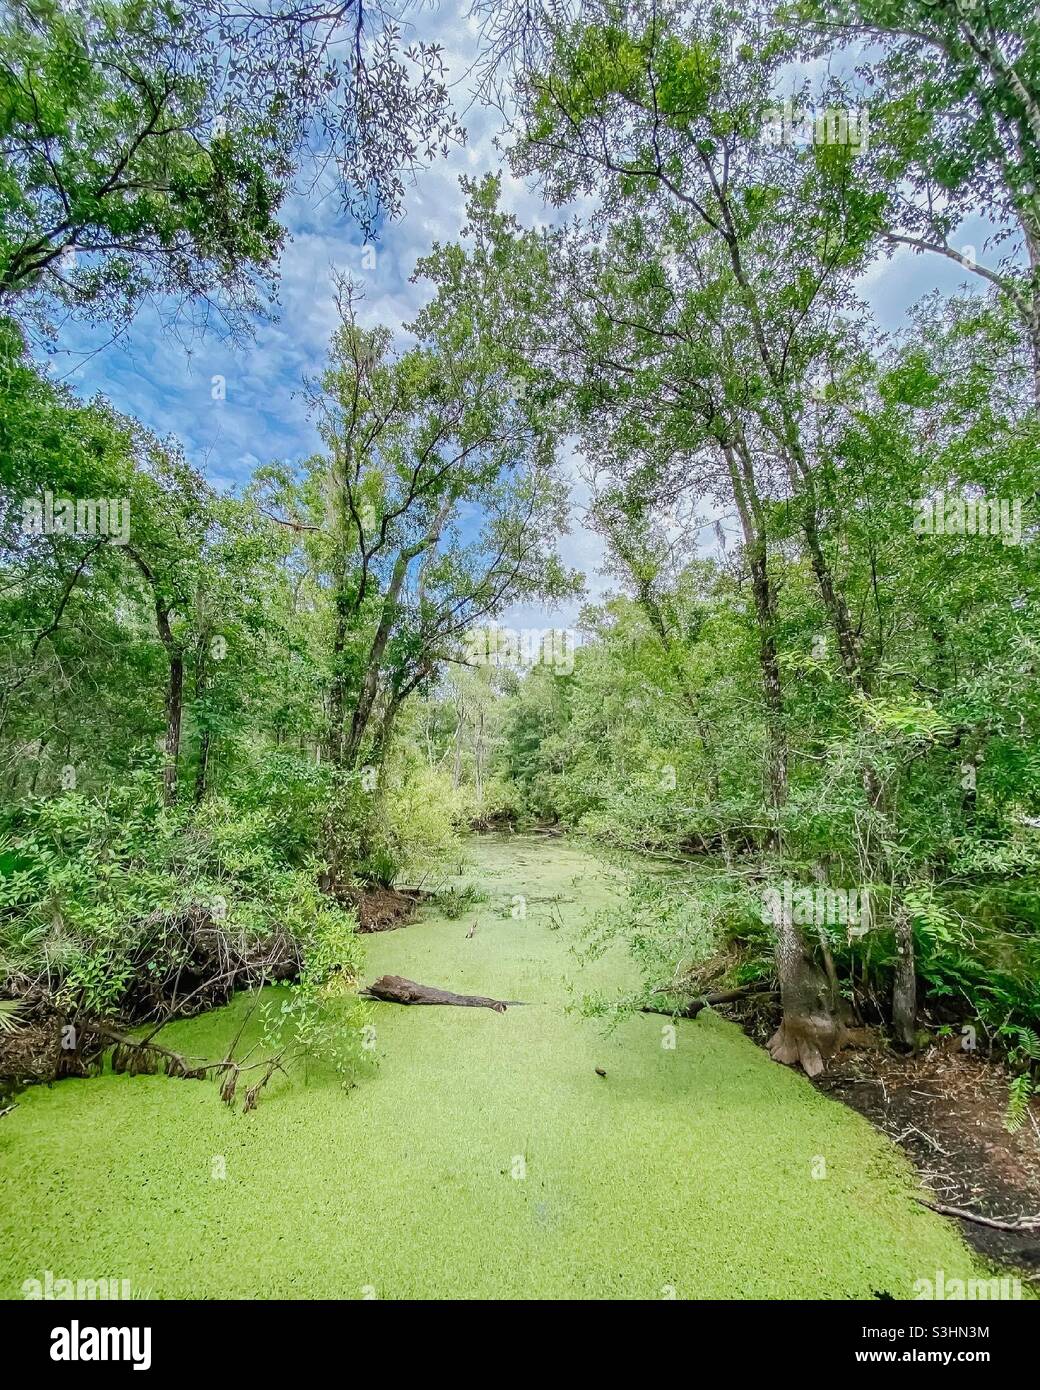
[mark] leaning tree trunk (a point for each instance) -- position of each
(380, 750)
(375, 791)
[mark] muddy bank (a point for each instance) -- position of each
(945, 1110)
(380, 908)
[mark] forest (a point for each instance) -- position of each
(595, 586)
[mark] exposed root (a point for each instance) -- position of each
(380, 908)
(1018, 1223)
(694, 1006)
(808, 1041)
(192, 963)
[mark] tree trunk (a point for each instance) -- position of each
(174, 705)
(456, 761)
(370, 680)
(381, 744)
(338, 689)
(809, 1033)
(904, 982)
(749, 509)
(478, 758)
(203, 767)
(175, 681)
(201, 681)
(772, 690)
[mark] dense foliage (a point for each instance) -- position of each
(819, 662)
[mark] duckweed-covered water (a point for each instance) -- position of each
(482, 1156)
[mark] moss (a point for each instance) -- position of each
(688, 1169)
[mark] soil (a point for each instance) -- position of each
(33, 1052)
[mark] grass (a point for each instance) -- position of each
(482, 1157)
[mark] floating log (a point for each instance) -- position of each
(394, 989)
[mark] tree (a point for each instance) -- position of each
(664, 118)
(955, 129)
(147, 147)
(434, 507)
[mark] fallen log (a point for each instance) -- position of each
(694, 1006)
(394, 989)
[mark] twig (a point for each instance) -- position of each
(926, 1137)
(1020, 1223)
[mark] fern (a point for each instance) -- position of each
(1029, 1043)
(1019, 1092)
(9, 1010)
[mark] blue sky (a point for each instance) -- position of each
(151, 375)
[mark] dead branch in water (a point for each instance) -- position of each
(693, 1007)
(141, 1056)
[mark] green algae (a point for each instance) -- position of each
(481, 1155)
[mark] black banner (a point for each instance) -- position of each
(76, 1339)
